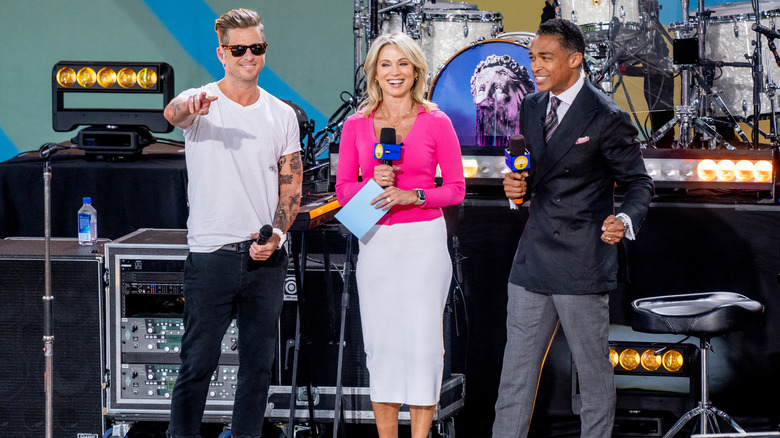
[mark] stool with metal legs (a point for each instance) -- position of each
(705, 316)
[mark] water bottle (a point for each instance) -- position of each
(87, 223)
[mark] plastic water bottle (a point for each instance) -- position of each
(87, 223)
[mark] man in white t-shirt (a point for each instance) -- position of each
(244, 168)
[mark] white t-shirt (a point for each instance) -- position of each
(232, 155)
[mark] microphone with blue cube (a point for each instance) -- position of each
(517, 159)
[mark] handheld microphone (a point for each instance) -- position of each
(386, 150)
(767, 32)
(517, 159)
(266, 231)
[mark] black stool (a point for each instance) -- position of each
(702, 315)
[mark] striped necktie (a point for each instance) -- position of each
(551, 121)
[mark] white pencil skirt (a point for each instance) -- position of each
(403, 277)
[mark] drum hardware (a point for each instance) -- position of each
(770, 87)
(687, 117)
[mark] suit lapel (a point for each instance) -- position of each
(574, 123)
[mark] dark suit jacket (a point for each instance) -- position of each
(571, 189)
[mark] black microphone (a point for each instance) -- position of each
(767, 32)
(266, 231)
(517, 158)
(387, 150)
(49, 149)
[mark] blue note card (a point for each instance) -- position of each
(359, 215)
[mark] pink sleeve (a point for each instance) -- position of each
(453, 188)
(347, 184)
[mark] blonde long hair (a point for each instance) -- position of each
(413, 53)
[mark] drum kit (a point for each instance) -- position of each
(478, 74)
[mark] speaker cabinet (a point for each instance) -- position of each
(319, 305)
(76, 285)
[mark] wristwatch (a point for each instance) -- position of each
(625, 224)
(282, 238)
(420, 197)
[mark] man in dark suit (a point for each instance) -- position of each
(582, 145)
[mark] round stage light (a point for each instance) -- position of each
(613, 357)
(86, 77)
(470, 167)
(650, 360)
(147, 78)
(66, 77)
(763, 171)
(743, 170)
(688, 170)
(707, 170)
(485, 169)
(670, 170)
(106, 77)
(126, 78)
(672, 360)
(629, 359)
(725, 170)
(651, 167)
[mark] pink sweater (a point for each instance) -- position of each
(431, 141)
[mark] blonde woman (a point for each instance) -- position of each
(403, 268)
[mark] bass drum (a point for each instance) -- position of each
(481, 87)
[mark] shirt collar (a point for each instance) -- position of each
(570, 93)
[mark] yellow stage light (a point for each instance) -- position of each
(86, 77)
(707, 170)
(126, 78)
(106, 77)
(656, 358)
(725, 170)
(470, 167)
(650, 360)
(72, 81)
(147, 78)
(763, 171)
(743, 170)
(629, 359)
(672, 360)
(66, 76)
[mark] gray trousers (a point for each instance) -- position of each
(532, 321)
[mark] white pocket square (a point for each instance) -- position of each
(582, 140)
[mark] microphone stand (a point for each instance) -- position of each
(758, 77)
(46, 151)
(770, 42)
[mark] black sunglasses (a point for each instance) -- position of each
(239, 50)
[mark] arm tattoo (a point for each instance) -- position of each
(290, 176)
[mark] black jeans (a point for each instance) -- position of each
(215, 283)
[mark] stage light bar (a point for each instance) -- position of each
(652, 359)
(111, 77)
(480, 168)
(701, 168)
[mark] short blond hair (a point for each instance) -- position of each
(413, 53)
(237, 19)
